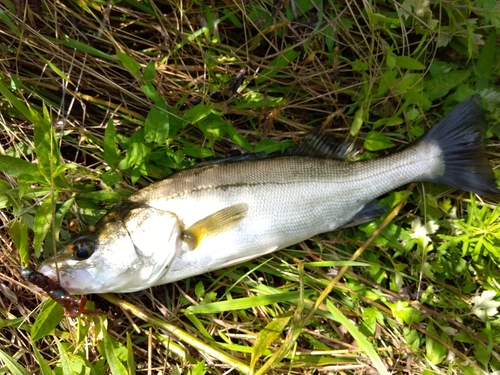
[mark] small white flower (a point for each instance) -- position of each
(421, 7)
(484, 305)
(421, 231)
(450, 331)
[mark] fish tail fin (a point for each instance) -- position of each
(460, 137)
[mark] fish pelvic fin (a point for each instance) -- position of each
(460, 137)
(369, 212)
(214, 224)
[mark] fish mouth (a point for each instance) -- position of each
(75, 281)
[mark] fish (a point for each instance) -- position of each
(220, 214)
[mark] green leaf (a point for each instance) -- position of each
(44, 367)
(372, 316)
(61, 213)
(282, 60)
(150, 91)
(213, 127)
(43, 220)
(136, 153)
(199, 289)
(111, 152)
(434, 351)
(115, 365)
(361, 339)
(7, 199)
(198, 369)
(330, 37)
(16, 167)
(486, 60)
(197, 113)
(46, 148)
(128, 62)
(10, 6)
(390, 60)
(267, 336)
(6, 19)
(377, 141)
(389, 121)
(482, 354)
(404, 312)
(412, 338)
(49, 317)
(103, 196)
(376, 18)
(238, 138)
(130, 355)
(409, 82)
(269, 146)
(256, 100)
(149, 72)
(16, 322)
(407, 62)
(231, 16)
(142, 5)
(389, 79)
(83, 47)
(10, 364)
(52, 66)
(64, 360)
(19, 234)
(157, 124)
(441, 84)
(19, 105)
(357, 121)
(196, 151)
(111, 178)
(198, 325)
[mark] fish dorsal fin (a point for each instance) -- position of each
(324, 146)
(214, 224)
(233, 159)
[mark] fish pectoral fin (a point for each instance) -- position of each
(214, 224)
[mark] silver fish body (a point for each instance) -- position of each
(289, 199)
(209, 217)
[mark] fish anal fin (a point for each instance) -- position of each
(369, 212)
(219, 222)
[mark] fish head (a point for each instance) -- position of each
(129, 249)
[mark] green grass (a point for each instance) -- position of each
(98, 99)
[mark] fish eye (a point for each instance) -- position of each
(83, 248)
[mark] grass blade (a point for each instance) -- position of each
(361, 339)
(267, 336)
(11, 364)
(244, 303)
